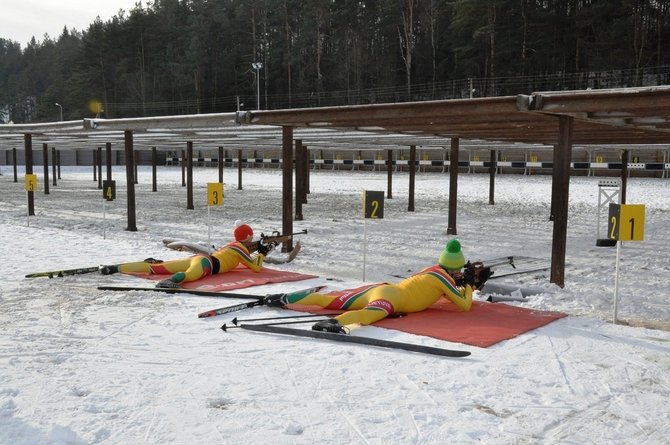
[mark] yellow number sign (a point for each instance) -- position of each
(109, 190)
(31, 183)
(626, 222)
(373, 204)
(214, 193)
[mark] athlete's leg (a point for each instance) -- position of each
(164, 268)
(351, 299)
(200, 266)
(381, 302)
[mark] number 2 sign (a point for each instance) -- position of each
(373, 204)
(626, 222)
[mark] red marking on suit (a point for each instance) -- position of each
(384, 305)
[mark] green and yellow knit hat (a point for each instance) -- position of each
(452, 257)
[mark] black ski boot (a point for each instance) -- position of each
(109, 269)
(167, 284)
(152, 261)
(330, 325)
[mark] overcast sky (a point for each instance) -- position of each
(20, 20)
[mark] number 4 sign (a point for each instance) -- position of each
(626, 222)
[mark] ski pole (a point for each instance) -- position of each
(227, 309)
(225, 327)
(244, 320)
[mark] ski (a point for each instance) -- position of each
(169, 290)
(64, 272)
(346, 338)
(224, 310)
(228, 309)
(236, 321)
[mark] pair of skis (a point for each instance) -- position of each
(258, 300)
(273, 328)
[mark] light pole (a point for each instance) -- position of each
(257, 66)
(61, 110)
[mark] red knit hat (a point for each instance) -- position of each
(242, 231)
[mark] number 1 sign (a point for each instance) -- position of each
(626, 223)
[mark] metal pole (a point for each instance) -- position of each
(616, 281)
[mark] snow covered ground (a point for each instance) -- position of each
(82, 366)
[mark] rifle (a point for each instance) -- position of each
(274, 239)
(475, 274)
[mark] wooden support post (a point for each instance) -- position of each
(389, 174)
(130, 180)
(299, 179)
(239, 169)
(154, 162)
(307, 172)
(189, 176)
(95, 164)
(28, 145)
(492, 177)
(53, 165)
(453, 187)
(16, 177)
(287, 185)
(561, 175)
(412, 174)
(108, 162)
(220, 164)
(624, 175)
(99, 168)
(45, 157)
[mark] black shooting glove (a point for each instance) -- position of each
(483, 275)
(264, 249)
(469, 276)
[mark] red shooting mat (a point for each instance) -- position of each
(484, 325)
(238, 278)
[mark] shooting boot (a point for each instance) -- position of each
(109, 269)
(330, 325)
(167, 284)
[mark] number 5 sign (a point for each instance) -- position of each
(626, 222)
(31, 182)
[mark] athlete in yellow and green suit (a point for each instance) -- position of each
(371, 303)
(199, 266)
